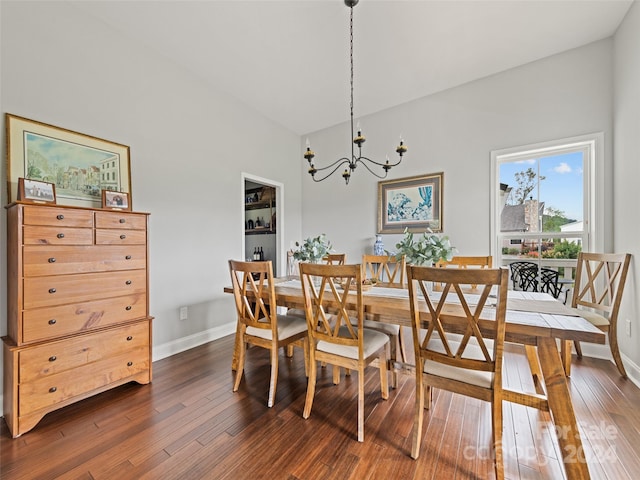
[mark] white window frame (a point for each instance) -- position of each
(593, 147)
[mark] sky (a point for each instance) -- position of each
(563, 185)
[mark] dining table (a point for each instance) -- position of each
(535, 320)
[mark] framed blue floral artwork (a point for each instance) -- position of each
(412, 203)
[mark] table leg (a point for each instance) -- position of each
(562, 410)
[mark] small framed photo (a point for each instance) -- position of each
(115, 200)
(35, 191)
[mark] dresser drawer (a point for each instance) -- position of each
(62, 260)
(56, 357)
(65, 217)
(64, 289)
(121, 237)
(37, 235)
(121, 220)
(48, 391)
(51, 322)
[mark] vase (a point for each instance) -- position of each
(378, 246)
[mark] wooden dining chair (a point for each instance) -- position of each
(597, 293)
(333, 338)
(258, 321)
(330, 259)
(465, 262)
(335, 259)
(387, 271)
(468, 363)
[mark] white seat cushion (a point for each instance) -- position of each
(594, 318)
(472, 351)
(387, 328)
(372, 342)
(296, 312)
(288, 326)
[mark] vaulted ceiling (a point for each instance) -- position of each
(290, 59)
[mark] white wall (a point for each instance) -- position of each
(454, 132)
(189, 146)
(626, 173)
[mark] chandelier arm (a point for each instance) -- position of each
(337, 164)
(380, 164)
(360, 160)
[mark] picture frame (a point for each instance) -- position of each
(115, 200)
(412, 203)
(35, 191)
(79, 165)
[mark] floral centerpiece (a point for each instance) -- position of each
(426, 250)
(313, 249)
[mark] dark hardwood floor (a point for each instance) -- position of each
(188, 424)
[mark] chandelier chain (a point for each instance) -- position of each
(351, 62)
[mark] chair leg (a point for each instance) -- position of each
(417, 419)
(305, 346)
(384, 379)
(578, 348)
(290, 350)
(393, 356)
(496, 414)
(236, 348)
(311, 387)
(613, 345)
(403, 350)
(274, 376)
(241, 347)
(361, 405)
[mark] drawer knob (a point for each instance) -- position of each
(129, 338)
(128, 307)
(52, 290)
(129, 364)
(128, 257)
(52, 321)
(60, 217)
(60, 235)
(128, 282)
(53, 358)
(122, 220)
(53, 390)
(52, 260)
(122, 237)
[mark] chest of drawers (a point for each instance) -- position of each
(78, 311)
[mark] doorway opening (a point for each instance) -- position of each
(262, 226)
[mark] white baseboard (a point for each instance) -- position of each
(191, 341)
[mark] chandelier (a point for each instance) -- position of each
(359, 139)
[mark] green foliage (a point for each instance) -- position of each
(427, 249)
(563, 249)
(312, 249)
(553, 219)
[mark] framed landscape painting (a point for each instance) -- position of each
(80, 166)
(414, 203)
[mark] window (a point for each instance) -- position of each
(543, 205)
